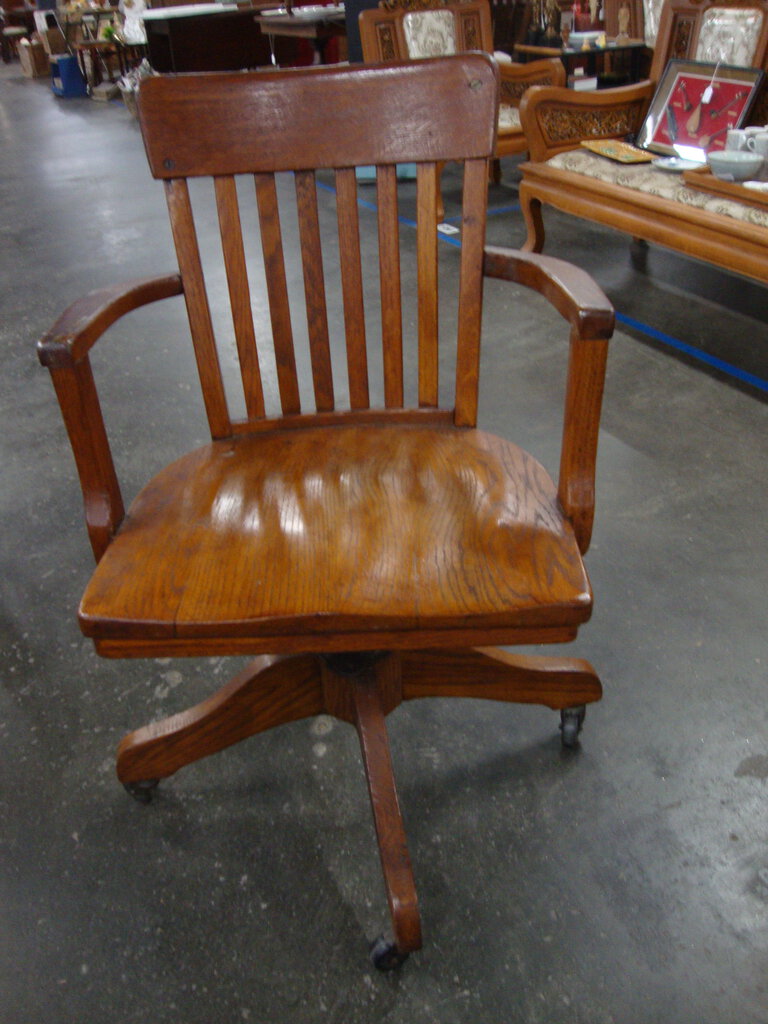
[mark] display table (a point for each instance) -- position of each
(317, 23)
(204, 37)
(594, 59)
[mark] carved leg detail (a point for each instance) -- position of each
(393, 849)
(269, 692)
(498, 675)
(531, 208)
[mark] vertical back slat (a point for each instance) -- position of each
(470, 291)
(277, 290)
(314, 290)
(185, 239)
(389, 275)
(239, 294)
(427, 184)
(352, 286)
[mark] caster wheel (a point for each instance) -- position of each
(142, 791)
(385, 956)
(571, 721)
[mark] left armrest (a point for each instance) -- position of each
(578, 299)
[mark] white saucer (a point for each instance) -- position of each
(676, 164)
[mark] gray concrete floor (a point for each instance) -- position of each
(626, 882)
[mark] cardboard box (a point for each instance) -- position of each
(49, 31)
(53, 41)
(33, 58)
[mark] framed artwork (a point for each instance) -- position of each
(694, 106)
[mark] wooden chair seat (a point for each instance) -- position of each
(358, 529)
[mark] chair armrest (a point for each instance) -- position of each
(64, 350)
(517, 78)
(82, 324)
(590, 314)
(558, 119)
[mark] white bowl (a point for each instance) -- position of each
(734, 164)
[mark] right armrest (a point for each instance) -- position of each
(64, 350)
(555, 119)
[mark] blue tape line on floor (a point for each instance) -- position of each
(696, 353)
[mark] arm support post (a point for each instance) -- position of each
(590, 314)
(64, 350)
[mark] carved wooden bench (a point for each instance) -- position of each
(641, 200)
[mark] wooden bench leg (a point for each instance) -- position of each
(531, 208)
(269, 692)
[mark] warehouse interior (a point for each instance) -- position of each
(623, 881)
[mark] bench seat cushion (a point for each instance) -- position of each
(652, 181)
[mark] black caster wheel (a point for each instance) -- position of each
(571, 721)
(142, 791)
(385, 956)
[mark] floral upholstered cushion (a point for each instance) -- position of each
(509, 118)
(651, 15)
(429, 33)
(648, 179)
(729, 35)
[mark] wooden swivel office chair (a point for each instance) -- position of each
(365, 555)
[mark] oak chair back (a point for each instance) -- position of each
(188, 138)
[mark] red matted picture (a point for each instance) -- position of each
(695, 104)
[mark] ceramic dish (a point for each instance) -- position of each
(675, 164)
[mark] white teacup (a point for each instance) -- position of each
(758, 143)
(737, 138)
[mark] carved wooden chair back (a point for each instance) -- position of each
(427, 29)
(731, 31)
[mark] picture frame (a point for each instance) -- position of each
(695, 104)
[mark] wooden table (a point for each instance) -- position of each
(204, 37)
(595, 56)
(316, 23)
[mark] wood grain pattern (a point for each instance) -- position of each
(352, 286)
(262, 121)
(314, 290)
(341, 529)
(471, 291)
(277, 290)
(198, 310)
(239, 294)
(389, 283)
(491, 674)
(427, 272)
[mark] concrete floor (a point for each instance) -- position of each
(626, 882)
